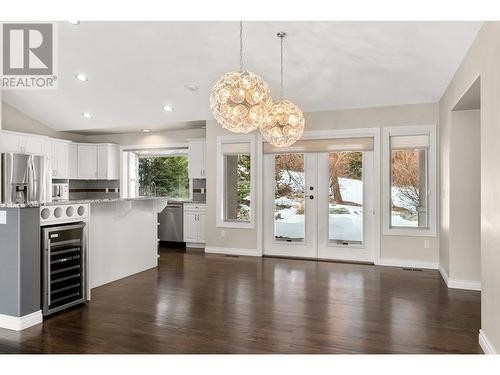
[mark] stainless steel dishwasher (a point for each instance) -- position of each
(171, 219)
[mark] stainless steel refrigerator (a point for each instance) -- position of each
(23, 178)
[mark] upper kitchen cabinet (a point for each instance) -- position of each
(58, 152)
(197, 163)
(22, 143)
(108, 165)
(73, 161)
(89, 161)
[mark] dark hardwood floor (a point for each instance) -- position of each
(215, 304)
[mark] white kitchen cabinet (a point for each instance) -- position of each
(73, 161)
(90, 161)
(194, 223)
(87, 161)
(10, 142)
(197, 164)
(32, 144)
(202, 237)
(190, 227)
(108, 162)
(58, 153)
(22, 143)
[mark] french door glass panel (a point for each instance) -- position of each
(290, 216)
(345, 203)
(289, 197)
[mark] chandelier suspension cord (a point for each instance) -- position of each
(241, 46)
(281, 35)
(281, 87)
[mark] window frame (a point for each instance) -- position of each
(221, 191)
(429, 130)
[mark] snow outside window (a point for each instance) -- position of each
(410, 180)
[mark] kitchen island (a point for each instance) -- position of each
(122, 241)
(123, 238)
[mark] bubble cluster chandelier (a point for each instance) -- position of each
(284, 124)
(241, 101)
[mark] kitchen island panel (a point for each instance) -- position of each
(123, 239)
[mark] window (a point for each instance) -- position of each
(237, 187)
(156, 172)
(345, 208)
(235, 181)
(164, 176)
(410, 181)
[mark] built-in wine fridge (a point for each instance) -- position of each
(64, 266)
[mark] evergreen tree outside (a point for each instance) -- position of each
(170, 174)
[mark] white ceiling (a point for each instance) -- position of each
(134, 68)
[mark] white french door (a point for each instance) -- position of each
(290, 217)
(320, 205)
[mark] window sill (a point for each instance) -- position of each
(235, 225)
(407, 232)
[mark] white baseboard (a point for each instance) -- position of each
(486, 344)
(406, 264)
(464, 284)
(459, 283)
(19, 323)
(195, 245)
(444, 274)
(232, 251)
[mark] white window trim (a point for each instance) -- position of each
(124, 167)
(244, 138)
(429, 130)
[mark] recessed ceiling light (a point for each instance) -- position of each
(82, 77)
(146, 130)
(73, 22)
(168, 108)
(192, 87)
(87, 115)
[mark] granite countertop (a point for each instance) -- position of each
(55, 203)
(182, 201)
(19, 205)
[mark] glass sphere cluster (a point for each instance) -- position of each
(284, 125)
(240, 101)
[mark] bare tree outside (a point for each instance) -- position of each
(408, 185)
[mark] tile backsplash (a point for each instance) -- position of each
(199, 190)
(94, 189)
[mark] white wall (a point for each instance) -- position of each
(482, 59)
(465, 197)
(14, 120)
(394, 249)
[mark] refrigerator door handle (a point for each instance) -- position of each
(34, 181)
(29, 179)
